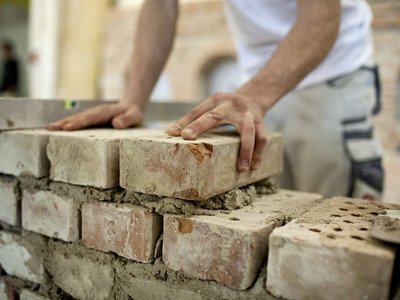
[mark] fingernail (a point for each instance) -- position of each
(244, 165)
(173, 129)
(188, 131)
(117, 123)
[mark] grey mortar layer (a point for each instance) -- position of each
(149, 280)
(227, 202)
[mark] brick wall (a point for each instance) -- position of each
(71, 230)
(203, 38)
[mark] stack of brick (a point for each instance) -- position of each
(76, 222)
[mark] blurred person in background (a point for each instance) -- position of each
(10, 72)
(307, 71)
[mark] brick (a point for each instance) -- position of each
(20, 260)
(88, 157)
(24, 151)
(229, 248)
(387, 226)
(128, 230)
(328, 254)
(192, 170)
(6, 291)
(8, 203)
(81, 277)
(28, 295)
(49, 214)
(145, 289)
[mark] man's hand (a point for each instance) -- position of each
(228, 108)
(122, 115)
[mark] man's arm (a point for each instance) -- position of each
(153, 43)
(306, 45)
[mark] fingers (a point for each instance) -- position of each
(260, 142)
(206, 122)
(97, 115)
(224, 108)
(247, 141)
(201, 109)
(123, 115)
(127, 119)
(58, 125)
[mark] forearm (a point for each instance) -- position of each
(153, 43)
(307, 44)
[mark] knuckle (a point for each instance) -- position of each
(261, 139)
(215, 116)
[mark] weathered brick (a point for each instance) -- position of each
(28, 295)
(128, 230)
(8, 203)
(49, 214)
(24, 151)
(20, 260)
(328, 254)
(387, 226)
(80, 276)
(192, 170)
(145, 289)
(229, 248)
(6, 291)
(88, 157)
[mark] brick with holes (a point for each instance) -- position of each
(192, 170)
(328, 254)
(229, 248)
(128, 230)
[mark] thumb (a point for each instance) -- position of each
(129, 118)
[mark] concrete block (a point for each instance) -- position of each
(229, 248)
(193, 170)
(24, 151)
(8, 203)
(128, 230)
(81, 277)
(49, 214)
(19, 260)
(328, 254)
(88, 157)
(28, 295)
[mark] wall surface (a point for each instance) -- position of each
(69, 230)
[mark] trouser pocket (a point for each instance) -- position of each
(365, 154)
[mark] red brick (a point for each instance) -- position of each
(228, 248)
(193, 170)
(6, 291)
(128, 230)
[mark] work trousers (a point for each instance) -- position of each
(330, 147)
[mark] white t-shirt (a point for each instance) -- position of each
(259, 25)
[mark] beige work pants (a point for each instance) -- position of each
(330, 147)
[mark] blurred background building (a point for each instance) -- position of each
(80, 49)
